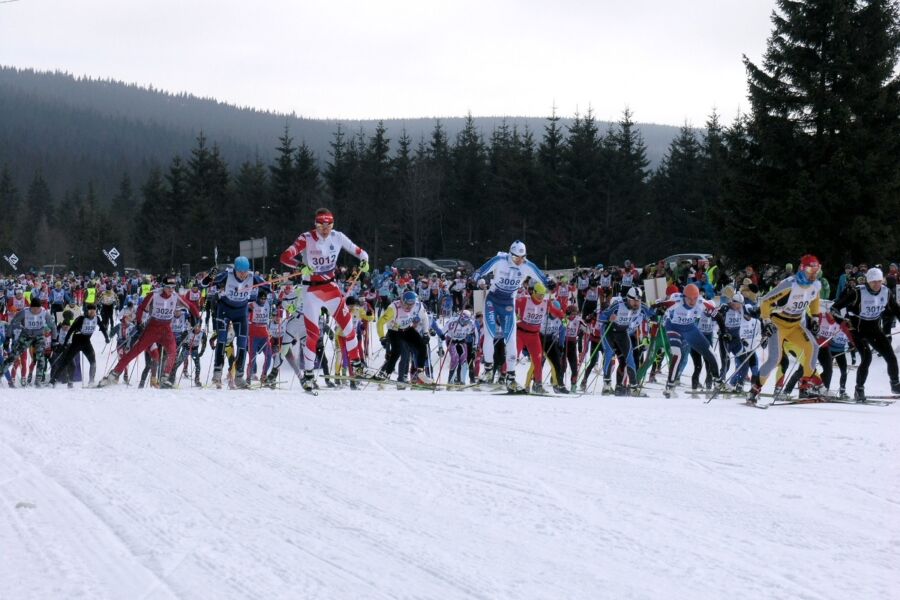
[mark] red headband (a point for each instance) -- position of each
(325, 218)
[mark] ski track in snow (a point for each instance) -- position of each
(202, 493)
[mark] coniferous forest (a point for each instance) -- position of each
(812, 166)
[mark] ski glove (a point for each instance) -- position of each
(768, 330)
(727, 337)
(384, 342)
(364, 266)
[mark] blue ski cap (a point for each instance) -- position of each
(409, 297)
(241, 264)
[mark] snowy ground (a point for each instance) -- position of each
(129, 494)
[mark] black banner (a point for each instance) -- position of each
(11, 258)
(114, 256)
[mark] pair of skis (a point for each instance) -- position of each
(869, 401)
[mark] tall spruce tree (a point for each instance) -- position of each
(677, 189)
(9, 206)
(282, 205)
(468, 188)
(38, 206)
(121, 211)
(150, 237)
(584, 176)
(824, 132)
(627, 199)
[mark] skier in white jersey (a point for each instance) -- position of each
(509, 270)
(318, 250)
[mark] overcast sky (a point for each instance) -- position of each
(670, 61)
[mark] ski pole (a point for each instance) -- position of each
(750, 354)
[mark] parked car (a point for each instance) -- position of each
(691, 256)
(418, 266)
(455, 264)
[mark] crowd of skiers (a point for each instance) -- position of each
(589, 325)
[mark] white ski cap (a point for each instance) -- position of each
(874, 274)
(517, 248)
(737, 297)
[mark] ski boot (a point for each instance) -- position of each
(167, 383)
(621, 390)
(240, 383)
(895, 387)
(271, 380)
(537, 388)
(842, 394)
(778, 395)
(574, 388)
(670, 389)
(815, 388)
(753, 397)
(607, 387)
(217, 378)
(197, 382)
(380, 375)
(111, 379)
(422, 378)
(695, 386)
(330, 384)
(634, 390)
(583, 387)
(402, 383)
(308, 382)
(652, 378)
(487, 376)
(512, 385)
(357, 369)
(859, 394)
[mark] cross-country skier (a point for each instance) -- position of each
(78, 339)
(509, 270)
(161, 306)
(866, 304)
(683, 311)
(318, 250)
(234, 286)
(782, 311)
(31, 323)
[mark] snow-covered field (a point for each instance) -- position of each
(199, 493)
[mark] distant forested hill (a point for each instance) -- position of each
(80, 130)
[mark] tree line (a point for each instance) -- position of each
(813, 166)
